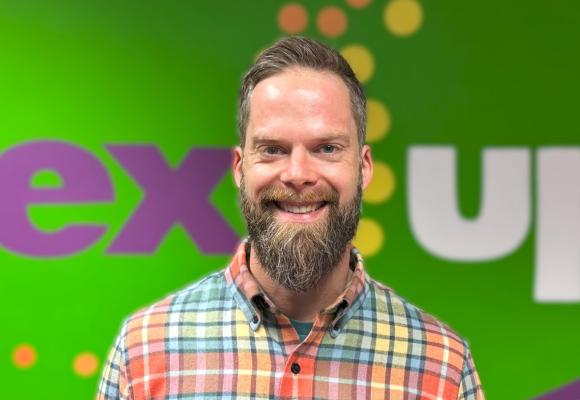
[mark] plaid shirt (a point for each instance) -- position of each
(223, 338)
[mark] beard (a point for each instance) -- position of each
(298, 255)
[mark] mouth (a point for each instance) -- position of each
(300, 208)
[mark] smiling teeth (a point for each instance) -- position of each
(301, 209)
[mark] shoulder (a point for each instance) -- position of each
(410, 324)
(193, 299)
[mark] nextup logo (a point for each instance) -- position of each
(180, 195)
(505, 213)
(171, 195)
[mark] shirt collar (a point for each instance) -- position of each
(253, 301)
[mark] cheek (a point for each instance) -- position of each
(345, 184)
(257, 178)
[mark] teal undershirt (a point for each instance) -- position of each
(302, 328)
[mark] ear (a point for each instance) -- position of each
(238, 157)
(367, 166)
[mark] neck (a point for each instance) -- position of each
(303, 306)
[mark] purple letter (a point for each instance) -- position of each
(172, 196)
(84, 180)
(567, 392)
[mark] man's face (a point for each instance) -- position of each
(300, 174)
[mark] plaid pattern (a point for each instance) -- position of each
(223, 338)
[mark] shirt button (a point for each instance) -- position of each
(295, 368)
(255, 319)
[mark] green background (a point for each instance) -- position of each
(476, 74)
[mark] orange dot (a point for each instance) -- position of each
(292, 18)
(24, 356)
(85, 364)
(331, 21)
(358, 3)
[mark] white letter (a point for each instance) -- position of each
(557, 277)
(504, 218)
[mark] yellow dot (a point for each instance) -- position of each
(403, 17)
(378, 120)
(24, 356)
(85, 364)
(361, 61)
(369, 237)
(382, 185)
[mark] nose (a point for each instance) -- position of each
(300, 172)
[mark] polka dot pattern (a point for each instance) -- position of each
(24, 356)
(382, 185)
(361, 61)
(403, 17)
(369, 237)
(331, 21)
(358, 3)
(292, 18)
(85, 364)
(378, 120)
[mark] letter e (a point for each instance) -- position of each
(84, 178)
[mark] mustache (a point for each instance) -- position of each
(279, 194)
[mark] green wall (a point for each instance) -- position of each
(474, 76)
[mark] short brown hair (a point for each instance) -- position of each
(297, 51)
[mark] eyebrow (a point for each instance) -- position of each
(266, 138)
(263, 138)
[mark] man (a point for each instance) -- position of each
(294, 315)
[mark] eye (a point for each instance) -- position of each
(328, 149)
(272, 151)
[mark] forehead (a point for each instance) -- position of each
(301, 100)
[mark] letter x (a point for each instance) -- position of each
(179, 195)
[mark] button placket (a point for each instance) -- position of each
(298, 368)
